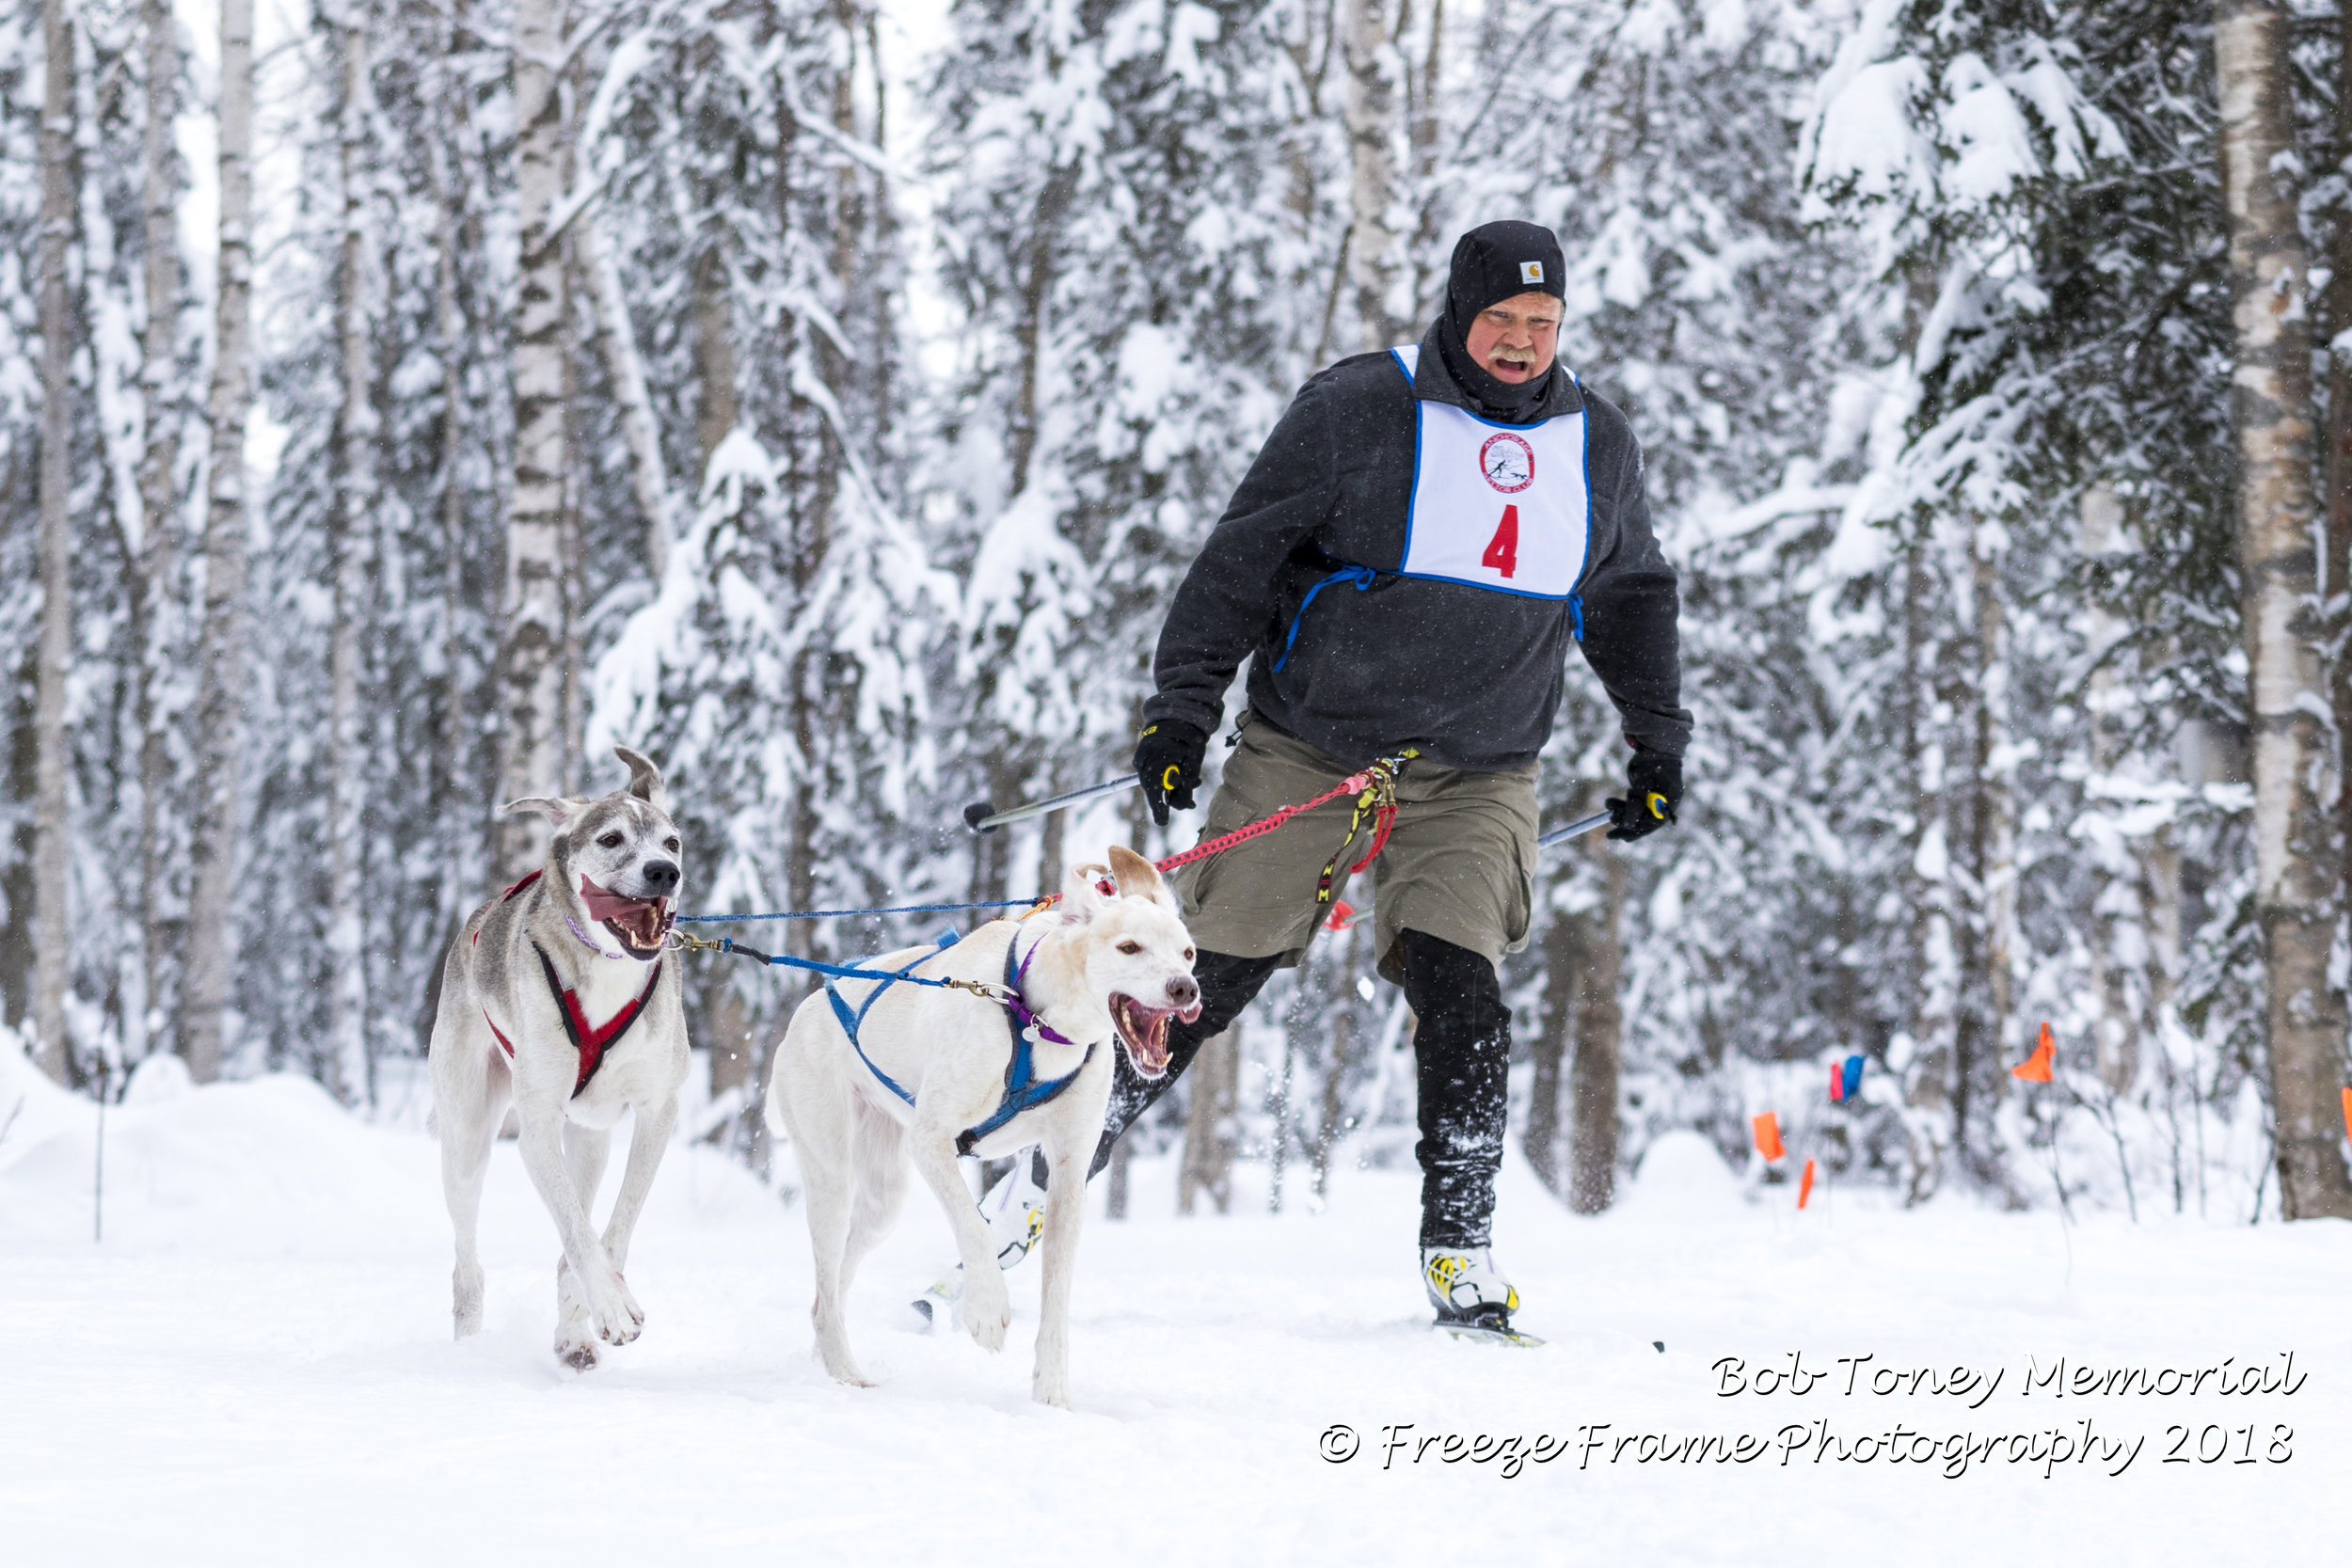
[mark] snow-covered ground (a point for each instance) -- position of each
(254, 1367)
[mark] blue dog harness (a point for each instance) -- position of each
(1022, 1089)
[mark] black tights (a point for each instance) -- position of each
(1463, 1052)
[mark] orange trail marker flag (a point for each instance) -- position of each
(2348, 1113)
(1768, 1135)
(1804, 1187)
(2036, 1068)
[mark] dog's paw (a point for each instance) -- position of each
(576, 1350)
(619, 1318)
(1055, 1393)
(465, 1300)
(987, 1311)
(832, 1354)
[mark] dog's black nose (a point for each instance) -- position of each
(1183, 991)
(661, 876)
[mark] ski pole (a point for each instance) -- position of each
(983, 818)
(1561, 835)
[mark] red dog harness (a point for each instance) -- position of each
(591, 1040)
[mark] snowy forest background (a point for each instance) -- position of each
(824, 397)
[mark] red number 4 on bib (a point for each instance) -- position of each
(1502, 550)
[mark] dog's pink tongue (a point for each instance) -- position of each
(603, 905)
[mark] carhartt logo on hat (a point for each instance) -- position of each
(1531, 271)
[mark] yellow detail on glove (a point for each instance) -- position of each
(1658, 805)
(1168, 778)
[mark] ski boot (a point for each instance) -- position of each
(1472, 1299)
(1015, 1211)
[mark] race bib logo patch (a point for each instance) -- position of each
(1506, 462)
(1531, 271)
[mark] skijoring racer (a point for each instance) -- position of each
(1404, 566)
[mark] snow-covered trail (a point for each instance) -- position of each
(255, 1368)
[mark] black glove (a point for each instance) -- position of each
(1167, 760)
(1656, 788)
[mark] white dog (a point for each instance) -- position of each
(558, 997)
(934, 1073)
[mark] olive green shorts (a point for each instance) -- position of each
(1458, 864)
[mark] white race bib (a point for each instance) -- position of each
(1494, 505)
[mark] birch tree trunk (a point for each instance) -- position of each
(355, 499)
(1428, 261)
(1548, 1053)
(2295, 765)
(1309, 50)
(2116, 1038)
(449, 741)
(51, 943)
(456, 750)
(152, 601)
(23, 772)
(1052, 835)
(1331, 1125)
(617, 340)
(1115, 1181)
(2335, 320)
(1372, 168)
(1208, 1163)
(714, 356)
(727, 1022)
(571, 649)
(1593, 1073)
(1928, 939)
(1957, 888)
(531, 676)
(1996, 793)
(204, 987)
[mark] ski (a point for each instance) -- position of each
(1486, 1333)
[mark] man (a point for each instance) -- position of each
(1408, 559)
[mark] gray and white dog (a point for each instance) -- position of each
(557, 997)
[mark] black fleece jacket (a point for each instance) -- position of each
(1471, 676)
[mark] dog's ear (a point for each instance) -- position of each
(553, 810)
(1138, 878)
(644, 779)
(1081, 899)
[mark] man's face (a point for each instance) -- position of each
(1514, 340)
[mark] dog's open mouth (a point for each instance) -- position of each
(1145, 1030)
(640, 922)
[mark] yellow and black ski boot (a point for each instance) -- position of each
(1472, 1299)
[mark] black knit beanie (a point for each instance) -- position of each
(1500, 260)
